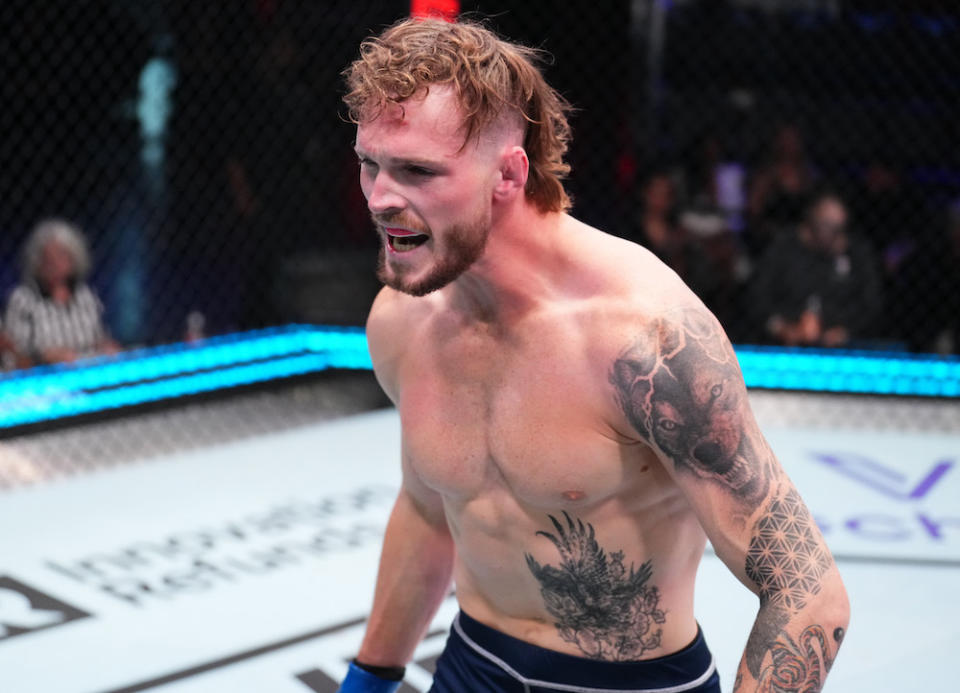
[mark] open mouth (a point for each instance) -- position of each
(404, 241)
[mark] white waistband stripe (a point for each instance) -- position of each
(679, 688)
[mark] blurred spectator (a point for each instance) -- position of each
(8, 355)
(212, 200)
(659, 231)
(700, 170)
(714, 180)
(780, 187)
(817, 285)
(716, 269)
(53, 315)
(262, 172)
(895, 219)
(711, 219)
(891, 215)
(926, 293)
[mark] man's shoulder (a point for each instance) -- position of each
(624, 278)
(392, 324)
(622, 293)
(393, 311)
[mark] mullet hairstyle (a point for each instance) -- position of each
(493, 78)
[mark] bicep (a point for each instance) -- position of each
(382, 343)
(384, 370)
(681, 389)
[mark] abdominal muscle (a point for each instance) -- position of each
(605, 582)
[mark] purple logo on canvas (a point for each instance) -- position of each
(887, 480)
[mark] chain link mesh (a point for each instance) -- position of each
(201, 148)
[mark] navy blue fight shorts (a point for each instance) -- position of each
(479, 659)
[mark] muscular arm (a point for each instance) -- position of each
(414, 576)
(416, 562)
(681, 389)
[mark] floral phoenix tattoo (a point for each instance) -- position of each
(606, 610)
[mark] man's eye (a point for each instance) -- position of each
(419, 171)
(667, 425)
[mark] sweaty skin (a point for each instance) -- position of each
(574, 427)
(515, 432)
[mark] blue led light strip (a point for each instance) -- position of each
(73, 404)
(160, 373)
(150, 375)
(862, 372)
(175, 360)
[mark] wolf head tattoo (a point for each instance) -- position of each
(681, 389)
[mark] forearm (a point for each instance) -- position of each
(415, 572)
(791, 651)
(108, 345)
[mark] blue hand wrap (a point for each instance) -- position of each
(360, 681)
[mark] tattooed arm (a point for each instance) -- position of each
(681, 389)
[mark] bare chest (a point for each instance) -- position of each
(480, 417)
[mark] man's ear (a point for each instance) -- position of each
(514, 169)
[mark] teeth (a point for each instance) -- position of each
(404, 243)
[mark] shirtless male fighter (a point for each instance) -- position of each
(574, 421)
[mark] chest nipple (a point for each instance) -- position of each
(573, 496)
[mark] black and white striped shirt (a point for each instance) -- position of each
(35, 323)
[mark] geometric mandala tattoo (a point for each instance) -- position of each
(785, 558)
(607, 611)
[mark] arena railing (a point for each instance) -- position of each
(176, 371)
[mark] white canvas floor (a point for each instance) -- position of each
(249, 566)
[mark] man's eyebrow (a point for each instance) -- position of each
(424, 163)
(402, 160)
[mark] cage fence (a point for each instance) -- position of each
(795, 161)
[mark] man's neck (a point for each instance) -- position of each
(517, 272)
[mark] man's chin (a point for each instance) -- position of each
(410, 287)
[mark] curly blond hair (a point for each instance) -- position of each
(491, 77)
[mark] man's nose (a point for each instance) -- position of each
(384, 197)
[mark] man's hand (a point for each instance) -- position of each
(809, 327)
(835, 336)
(805, 331)
(361, 679)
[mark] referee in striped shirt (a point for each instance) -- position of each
(53, 315)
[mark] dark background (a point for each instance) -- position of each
(202, 148)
